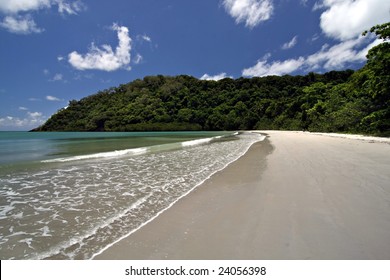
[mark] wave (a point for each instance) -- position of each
(198, 142)
(259, 138)
(141, 150)
(136, 151)
(57, 250)
(127, 192)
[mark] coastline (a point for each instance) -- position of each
(294, 195)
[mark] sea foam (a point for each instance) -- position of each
(75, 208)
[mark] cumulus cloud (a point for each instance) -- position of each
(339, 55)
(346, 19)
(329, 58)
(12, 6)
(215, 77)
(290, 44)
(18, 17)
(18, 6)
(251, 12)
(263, 68)
(29, 121)
(343, 20)
(104, 58)
(20, 25)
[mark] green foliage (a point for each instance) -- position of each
(382, 31)
(186, 103)
(337, 101)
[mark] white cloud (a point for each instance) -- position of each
(53, 98)
(303, 2)
(344, 20)
(29, 121)
(58, 77)
(105, 58)
(339, 55)
(318, 6)
(146, 38)
(20, 25)
(347, 19)
(252, 12)
(60, 58)
(263, 68)
(215, 77)
(315, 37)
(34, 115)
(23, 108)
(138, 59)
(18, 18)
(16, 6)
(290, 44)
(69, 8)
(329, 58)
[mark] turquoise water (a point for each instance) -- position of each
(68, 195)
(19, 147)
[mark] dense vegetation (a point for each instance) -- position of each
(337, 101)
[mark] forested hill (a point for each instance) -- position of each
(337, 101)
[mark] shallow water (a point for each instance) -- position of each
(73, 199)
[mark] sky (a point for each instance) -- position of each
(54, 51)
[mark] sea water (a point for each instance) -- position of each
(69, 195)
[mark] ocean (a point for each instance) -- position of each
(69, 195)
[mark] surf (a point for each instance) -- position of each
(72, 209)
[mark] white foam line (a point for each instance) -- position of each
(196, 142)
(137, 151)
(75, 240)
(262, 137)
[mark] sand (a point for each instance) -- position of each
(295, 195)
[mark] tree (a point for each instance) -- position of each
(378, 85)
(378, 61)
(336, 101)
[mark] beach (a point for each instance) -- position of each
(68, 195)
(295, 195)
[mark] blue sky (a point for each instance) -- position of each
(53, 51)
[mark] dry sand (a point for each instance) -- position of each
(293, 196)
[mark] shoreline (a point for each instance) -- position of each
(261, 139)
(292, 196)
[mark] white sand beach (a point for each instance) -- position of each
(295, 195)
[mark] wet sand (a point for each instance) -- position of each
(293, 196)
